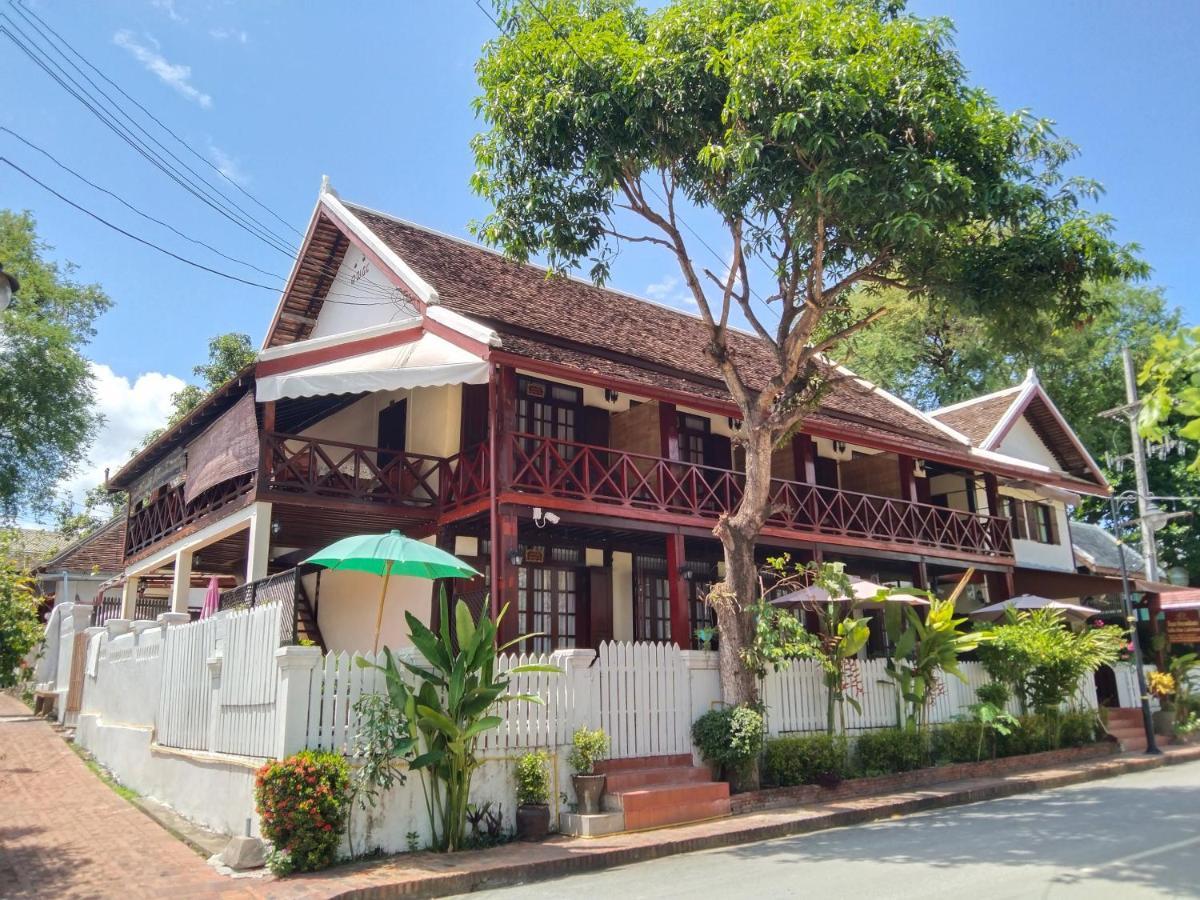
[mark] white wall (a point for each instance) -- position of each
(1023, 442)
(349, 605)
(359, 279)
(622, 596)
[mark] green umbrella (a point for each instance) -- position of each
(388, 554)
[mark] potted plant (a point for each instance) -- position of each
(1162, 686)
(587, 749)
(533, 796)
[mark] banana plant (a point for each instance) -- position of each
(923, 649)
(448, 709)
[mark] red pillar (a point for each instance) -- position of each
(804, 458)
(908, 481)
(668, 429)
(504, 580)
(991, 490)
(677, 592)
(502, 418)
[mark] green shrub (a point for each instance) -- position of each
(956, 742)
(995, 693)
(1078, 728)
(587, 749)
(810, 759)
(302, 803)
(730, 738)
(889, 751)
(533, 779)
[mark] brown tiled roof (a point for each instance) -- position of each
(103, 550)
(977, 418)
(577, 324)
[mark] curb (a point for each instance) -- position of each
(503, 874)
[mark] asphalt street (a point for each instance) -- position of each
(1128, 837)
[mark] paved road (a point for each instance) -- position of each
(1129, 837)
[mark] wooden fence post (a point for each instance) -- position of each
(296, 668)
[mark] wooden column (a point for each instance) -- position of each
(908, 481)
(668, 429)
(502, 417)
(804, 457)
(991, 490)
(921, 575)
(504, 575)
(677, 592)
(264, 453)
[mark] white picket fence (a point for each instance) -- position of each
(219, 684)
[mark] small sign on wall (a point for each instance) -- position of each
(535, 555)
(1183, 626)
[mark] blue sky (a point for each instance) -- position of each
(377, 96)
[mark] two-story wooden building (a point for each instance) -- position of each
(574, 443)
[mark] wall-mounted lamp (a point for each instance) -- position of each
(276, 527)
(839, 446)
(920, 467)
(687, 574)
(515, 557)
(610, 395)
(734, 424)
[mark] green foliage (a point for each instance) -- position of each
(533, 779)
(731, 737)
(447, 711)
(806, 759)
(1042, 661)
(994, 692)
(925, 646)
(890, 750)
(778, 638)
(991, 721)
(380, 744)
(47, 405)
(587, 748)
(303, 803)
(20, 628)
(1183, 668)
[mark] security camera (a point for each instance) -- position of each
(552, 518)
(542, 518)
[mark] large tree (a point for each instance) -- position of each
(835, 144)
(47, 408)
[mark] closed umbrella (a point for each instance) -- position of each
(996, 611)
(212, 599)
(390, 554)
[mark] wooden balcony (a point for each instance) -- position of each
(563, 474)
(603, 480)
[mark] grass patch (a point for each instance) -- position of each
(127, 794)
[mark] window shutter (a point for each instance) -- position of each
(1032, 530)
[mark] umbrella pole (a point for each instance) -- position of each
(387, 573)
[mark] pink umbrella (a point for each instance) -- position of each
(212, 600)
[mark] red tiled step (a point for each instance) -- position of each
(670, 804)
(609, 766)
(631, 779)
(657, 817)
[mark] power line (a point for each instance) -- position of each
(650, 187)
(132, 208)
(152, 245)
(194, 185)
(155, 118)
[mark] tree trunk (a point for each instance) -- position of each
(739, 535)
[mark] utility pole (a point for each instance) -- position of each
(1146, 509)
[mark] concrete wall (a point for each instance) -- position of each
(1023, 442)
(358, 277)
(349, 605)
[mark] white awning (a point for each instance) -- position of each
(426, 362)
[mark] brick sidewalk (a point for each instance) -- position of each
(64, 833)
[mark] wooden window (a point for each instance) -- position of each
(652, 600)
(1032, 521)
(693, 438)
(547, 602)
(548, 409)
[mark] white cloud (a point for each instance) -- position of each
(227, 165)
(168, 6)
(176, 75)
(669, 290)
(130, 410)
(229, 34)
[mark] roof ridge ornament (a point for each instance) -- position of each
(327, 188)
(1031, 376)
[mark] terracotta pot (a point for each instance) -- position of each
(533, 821)
(588, 791)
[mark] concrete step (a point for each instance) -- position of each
(609, 766)
(631, 779)
(658, 817)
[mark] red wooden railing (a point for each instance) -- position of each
(620, 479)
(318, 468)
(465, 477)
(161, 517)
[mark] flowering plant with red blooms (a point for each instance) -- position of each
(303, 802)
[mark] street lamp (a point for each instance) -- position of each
(8, 286)
(1155, 518)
